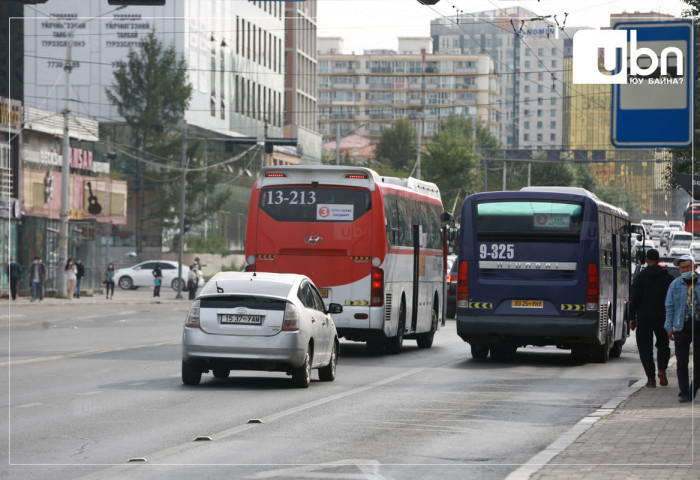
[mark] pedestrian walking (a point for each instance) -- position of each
(682, 312)
(14, 270)
(109, 281)
(80, 274)
(37, 279)
(71, 273)
(648, 314)
(157, 279)
(192, 280)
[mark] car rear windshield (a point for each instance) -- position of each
(529, 221)
(315, 204)
(247, 301)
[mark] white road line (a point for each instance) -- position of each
(86, 353)
(28, 405)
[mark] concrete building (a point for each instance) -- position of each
(364, 93)
(527, 54)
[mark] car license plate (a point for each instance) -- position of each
(527, 304)
(226, 318)
(323, 292)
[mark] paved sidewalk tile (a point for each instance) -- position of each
(649, 436)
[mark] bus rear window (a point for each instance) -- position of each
(315, 204)
(528, 221)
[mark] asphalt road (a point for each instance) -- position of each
(91, 387)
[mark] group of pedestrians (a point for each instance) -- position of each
(36, 277)
(665, 309)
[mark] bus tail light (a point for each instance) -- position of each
(592, 288)
(291, 318)
(377, 291)
(463, 284)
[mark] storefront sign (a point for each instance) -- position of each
(10, 114)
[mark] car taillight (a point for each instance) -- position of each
(463, 284)
(592, 288)
(192, 319)
(377, 291)
(291, 318)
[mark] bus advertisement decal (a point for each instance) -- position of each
(572, 307)
(527, 304)
(481, 305)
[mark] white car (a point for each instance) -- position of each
(675, 252)
(655, 230)
(140, 275)
(663, 239)
(260, 321)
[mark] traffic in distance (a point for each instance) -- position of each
(540, 266)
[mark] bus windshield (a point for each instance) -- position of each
(529, 221)
(315, 204)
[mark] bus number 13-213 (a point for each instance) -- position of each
(293, 197)
(497, 251)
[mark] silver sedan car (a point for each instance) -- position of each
(260, 321)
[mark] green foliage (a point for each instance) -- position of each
(216, 245)
(451, 161)
(233, 267)
(397, 146)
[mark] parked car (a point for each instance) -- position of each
(140, 275)
(451, 310)
(260, 321)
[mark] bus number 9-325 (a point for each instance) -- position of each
(497, 251)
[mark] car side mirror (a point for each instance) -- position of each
(335, 308)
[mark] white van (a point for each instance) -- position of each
(680, 240)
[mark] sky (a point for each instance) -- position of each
(377, 24)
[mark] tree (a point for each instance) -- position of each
(451, 161)
(397, 146)
(151, 92)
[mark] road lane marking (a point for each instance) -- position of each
(88, 353)
(28, 405)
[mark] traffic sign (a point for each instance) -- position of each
(654, 107)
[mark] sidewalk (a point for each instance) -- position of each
(88, 297)
(645, 433)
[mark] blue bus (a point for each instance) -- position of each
(543, 266)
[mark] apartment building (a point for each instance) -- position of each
(364, 93)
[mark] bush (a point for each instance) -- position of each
(210, 245)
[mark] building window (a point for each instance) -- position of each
(539, 125)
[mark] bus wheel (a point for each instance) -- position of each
(393, 345)
(425, 340)
(580, 354)
(479, 352)
(602, 352)
(616, 349)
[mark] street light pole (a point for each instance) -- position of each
(65, 168)
(181, 242)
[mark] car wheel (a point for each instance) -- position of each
(221, 372)
(126, 283)
(394, 344)
(327, 373)
(176, 284)
(301, 377)
(191, 373)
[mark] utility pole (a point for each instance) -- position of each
(181, 242)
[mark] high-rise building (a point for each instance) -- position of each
(364, 93)
(527, 54)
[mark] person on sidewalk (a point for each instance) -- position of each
(682, 311)
(37, 279)
(80, 274)
(192, 281)
(109, 281)
(15, 273)
(71, 273)
(648, 315)
(157, 279)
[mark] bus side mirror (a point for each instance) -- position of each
(446, 217)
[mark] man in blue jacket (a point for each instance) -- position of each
(682, 313)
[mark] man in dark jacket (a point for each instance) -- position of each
(80, 274)
(648, 314)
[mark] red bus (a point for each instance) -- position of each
(371, 243)
(691, 216)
